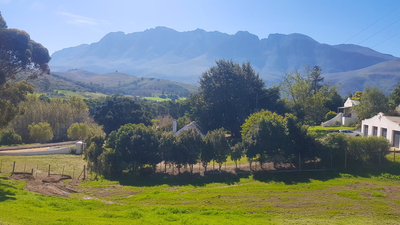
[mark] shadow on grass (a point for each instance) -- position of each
(287, 177)
(6, 191)
(182, 179)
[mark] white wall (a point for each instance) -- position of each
(380, 121)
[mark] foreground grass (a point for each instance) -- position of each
(359, 197)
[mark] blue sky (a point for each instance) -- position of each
(59, 24)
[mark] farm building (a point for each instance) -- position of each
(385, 126)
(345, 115)
(192, 125)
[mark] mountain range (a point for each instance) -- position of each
(164, 53)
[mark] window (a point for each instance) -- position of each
(384, 132)
(375, 131)
(365, 130)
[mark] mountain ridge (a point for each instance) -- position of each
(164, 53)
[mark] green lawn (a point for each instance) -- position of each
(322, 131)
(351, 197)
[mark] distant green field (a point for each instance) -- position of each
(83, 95)
(160, 99)
(322, 131)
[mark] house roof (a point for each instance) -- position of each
(395, 119)
(192, 125)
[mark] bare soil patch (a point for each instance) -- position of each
(49, 185)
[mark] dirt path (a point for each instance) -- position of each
(49, 185)
(37, 146)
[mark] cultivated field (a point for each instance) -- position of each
(330, 197)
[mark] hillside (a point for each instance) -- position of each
(182, 56)
(112, 83)
(384, 75)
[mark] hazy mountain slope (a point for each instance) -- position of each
(127, 84)
(183, 56)
(384, 75)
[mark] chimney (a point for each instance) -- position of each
(174, 126)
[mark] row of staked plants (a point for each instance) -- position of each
(266, 137)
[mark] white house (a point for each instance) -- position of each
(345, 115)
(381, 125)
(192, 125)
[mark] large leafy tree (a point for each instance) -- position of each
(228, 94)
(308, 98)
(137, 145)
(118, 111)
(19, 53)
(264, 135)
(372, 102)
(41, 132)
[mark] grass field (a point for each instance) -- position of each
(330, 197)
(160, 99)
(322, 131)
(83, 95)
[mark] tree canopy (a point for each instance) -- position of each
(118, 111)
(372, 102)
(228, 94)
(19, 53)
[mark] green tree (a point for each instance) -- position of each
(357, 96)
(371, 103)
(330, 115)
(189, 147)
(237, 152)
(137, 145)
(266, 137)
(395, 97)
(19, 53)
(315, 78)
(167, 145)
(41, 132)
(228, 94)
(78, 131)
(9, 137)
(11, 94)
(216, 141)
(118, 111)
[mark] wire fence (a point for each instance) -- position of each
(74, 172)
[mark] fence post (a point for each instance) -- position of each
(84, 172)
(32, 172)
(315, 163)
(73, 173)
(13, 168)
(394, 155)
(37, 168)
(299, 162)
(49, 171)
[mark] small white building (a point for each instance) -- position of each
(345, 115)
(385, 126)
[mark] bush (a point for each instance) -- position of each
(72, 151)
(330, 115)
(9, 137)
(337, 123)
(351, 124)
(40, 132)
